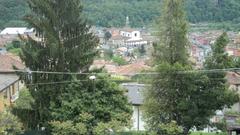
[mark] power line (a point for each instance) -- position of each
(49, 83)
(67, 82)
(113, 73)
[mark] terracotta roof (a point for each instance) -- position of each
(236, 52)
(7, 61)
(119, 37)
(132, 69)
(108, 65)
(233, 78)
(128, 29)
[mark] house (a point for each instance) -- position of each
(232, 123)
(9, 81)
(109, 66)
(135, 97)
(9, 89)
(127, 37)
(132, 69)
(16, 31)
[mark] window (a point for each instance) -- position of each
(5, 93)
(135, 34)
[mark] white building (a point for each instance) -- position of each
(16, 31)
(135, 97)
(128, 38)
(133, 35)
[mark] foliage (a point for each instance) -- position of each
(108, 54)
(14, 47)
(219, 59)
(68, 128)
(119, 60)
(25, 100)
(107, 36)
(179, 94)
(98, 105)
(12, 12)
(9, 124)
(171, 97)
(142, 50)
(134, 133)
(141, 12)
(107, 128)
(173, 34)
(63, 44)
(222, 125)
(23, 109)
(169, 129)
(202, 133)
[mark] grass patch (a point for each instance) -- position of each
(201, 133)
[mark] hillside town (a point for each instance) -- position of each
(133, 48)
(65, 77)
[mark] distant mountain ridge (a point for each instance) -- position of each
(141, 12)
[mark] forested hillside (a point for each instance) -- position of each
(11, 12)
(141, 12)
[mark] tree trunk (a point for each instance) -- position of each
(186, 131)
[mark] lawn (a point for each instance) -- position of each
(200, 133)
(144, 133)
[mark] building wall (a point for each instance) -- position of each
(236, 106)
(137, 117)
(4, 101)
(10, 94)
(135, 35)
(125, 34)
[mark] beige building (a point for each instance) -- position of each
(10, 84)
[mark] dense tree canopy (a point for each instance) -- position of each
(178, 92)
(141, 12)
(63, 44)
(60, 98)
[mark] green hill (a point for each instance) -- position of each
(141, 12)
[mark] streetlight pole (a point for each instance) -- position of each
(93, 78)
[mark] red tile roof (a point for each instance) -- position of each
(233, 78)
(132, 69)
(7, 61)
(108, 65)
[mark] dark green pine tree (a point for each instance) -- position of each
(179, 93)
(63, 43)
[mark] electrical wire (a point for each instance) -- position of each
(146, 73)
(68, 82)
(50, 83)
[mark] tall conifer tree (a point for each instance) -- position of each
(173, 34)
(63, 43)
(179, 93)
